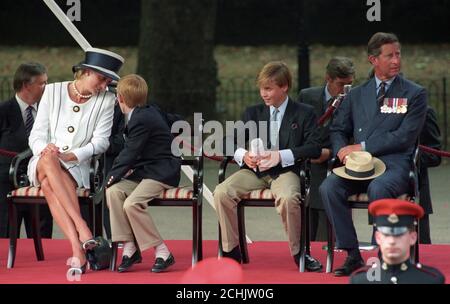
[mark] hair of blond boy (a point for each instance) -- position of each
(133, 90)
(277, 72)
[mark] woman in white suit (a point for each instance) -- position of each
(73, 123)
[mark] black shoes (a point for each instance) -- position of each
(351, 264)
(234, 254)
(161, 265)
(311, 264)
(127, 262)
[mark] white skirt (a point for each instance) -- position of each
(73, 169)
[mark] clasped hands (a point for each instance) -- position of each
(66, 157)
(264, 161)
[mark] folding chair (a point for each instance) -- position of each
(182, 197)
(265, 198)
(361, 201)
(24, 194)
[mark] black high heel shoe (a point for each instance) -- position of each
(89, 245)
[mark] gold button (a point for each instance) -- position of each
(65, 148)
(70, 129)
(76, 109)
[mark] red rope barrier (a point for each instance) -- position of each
(7, 153)
(434, 151)
(425, 149)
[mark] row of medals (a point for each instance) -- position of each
(399, 110)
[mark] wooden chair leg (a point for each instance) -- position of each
(242, 234)
(114, 249)
(200, 232)
(414, 252)
(220, 247)
(194, 234)
(330, 247)
(36, 231)
(307, 230)
(12, 210)
(98, 219)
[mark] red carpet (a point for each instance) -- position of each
(270, 263)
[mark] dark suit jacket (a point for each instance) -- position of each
(297, 132)
(147, 150)
(12, 134)
(314, 97)
(391, 137)
(116, 140)
(430, 137)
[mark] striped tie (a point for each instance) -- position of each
(381, 93)
(29, 120)
(274, 128)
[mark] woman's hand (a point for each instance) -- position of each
(51, 148)
(68, 157)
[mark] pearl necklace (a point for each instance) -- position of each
(78, 93)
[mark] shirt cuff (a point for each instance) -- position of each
(239, 156)
(84, 153)
(363, 146)
(287, 158)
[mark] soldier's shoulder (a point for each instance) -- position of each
(360, 276)
(431, 274)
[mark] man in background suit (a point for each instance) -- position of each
(339, 72)
(384, 117)
(16, 120)
(293, 138)
(430, 137)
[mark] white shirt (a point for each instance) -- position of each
(286, 155)
(23, 107)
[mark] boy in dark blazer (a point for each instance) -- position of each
(142, 171)
(291, 138)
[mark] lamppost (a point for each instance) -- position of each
(303, 48)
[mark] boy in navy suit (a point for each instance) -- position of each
(142, 171)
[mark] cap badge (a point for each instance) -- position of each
(393, 218)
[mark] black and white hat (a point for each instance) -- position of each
(102, 61)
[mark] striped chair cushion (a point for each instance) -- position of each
(180, 193)
(37, 192)
(259, 194)
(362, 197)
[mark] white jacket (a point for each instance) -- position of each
(82, 129)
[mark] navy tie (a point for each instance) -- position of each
(381, 93)
(29, 120)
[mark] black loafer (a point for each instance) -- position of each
(234, 254)
(161, 265)
(127, 262)
(351, 264)
(311, 264)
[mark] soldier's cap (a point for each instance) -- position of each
(394, 216)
